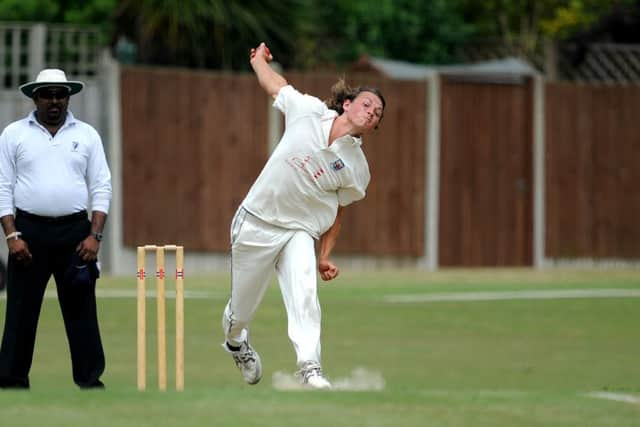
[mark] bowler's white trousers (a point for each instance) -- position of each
(257, 248)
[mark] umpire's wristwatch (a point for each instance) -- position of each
(98, 236)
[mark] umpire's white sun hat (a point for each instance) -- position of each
(51, 77)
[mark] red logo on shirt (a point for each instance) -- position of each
(306, 164)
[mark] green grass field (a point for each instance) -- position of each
(445, 362)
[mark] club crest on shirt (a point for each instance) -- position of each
(74, 146)
(337, 165)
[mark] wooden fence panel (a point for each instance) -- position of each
(593, 170)
(192, 145)
(194, 142)
(390, 220)
(486, 174)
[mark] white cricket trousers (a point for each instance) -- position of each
(257, 248)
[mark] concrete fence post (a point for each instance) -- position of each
(37, 49)
(432, 175)
(539, 207)
(113, 146)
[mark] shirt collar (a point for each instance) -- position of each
(69, 120)
(327, 119)
(356, 141)
(329, 115)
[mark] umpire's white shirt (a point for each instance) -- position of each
(305, 179)
(53, 175)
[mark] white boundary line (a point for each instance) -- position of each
(514, 295)
(618, 397)
(132, 293)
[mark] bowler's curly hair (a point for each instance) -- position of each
(341, 91)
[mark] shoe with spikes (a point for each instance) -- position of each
(310, 375)
(248, 361)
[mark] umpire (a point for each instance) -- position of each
(52, 169)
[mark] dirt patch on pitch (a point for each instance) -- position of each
(359, 379)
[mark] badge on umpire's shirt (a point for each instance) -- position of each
(337, 165)
(74, 146)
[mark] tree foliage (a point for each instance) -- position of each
(523, 24)
(205, 33)
(411, 30)
(82, 12)
(308, 34)
(29, 10)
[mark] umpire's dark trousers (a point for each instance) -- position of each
(52, 242)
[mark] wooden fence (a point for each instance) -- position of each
(193, 142)
(192, 145)
(486, 174)
(593, 171)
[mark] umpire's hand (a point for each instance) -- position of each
(19, 249)
(88, 249)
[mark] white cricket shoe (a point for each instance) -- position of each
(248, 361)
(310, 375)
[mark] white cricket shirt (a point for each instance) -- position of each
(305, 179)
(53, 175)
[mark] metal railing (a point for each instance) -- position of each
(600, 62)
(606, 63)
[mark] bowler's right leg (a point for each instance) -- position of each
(254, 248)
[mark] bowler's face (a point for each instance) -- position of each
(51, 104)
(365, 111)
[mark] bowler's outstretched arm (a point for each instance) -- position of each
(268, 78)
